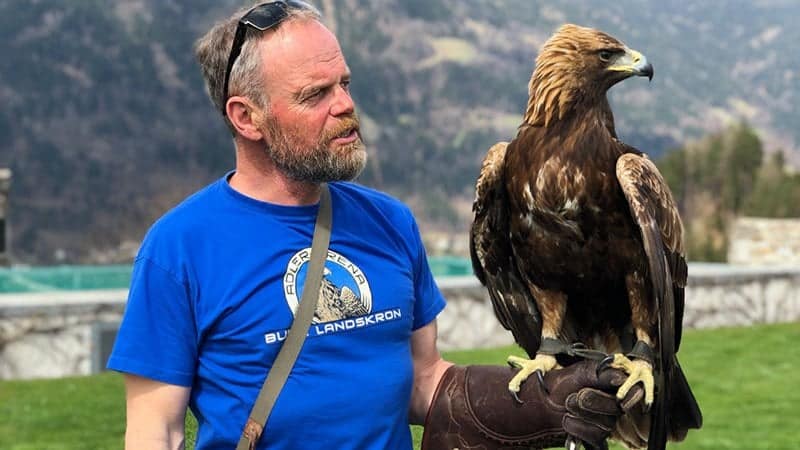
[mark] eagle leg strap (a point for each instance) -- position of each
(642, 351)
(550, 346)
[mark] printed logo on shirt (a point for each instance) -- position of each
(320, 329)
(344, 291)
(345, 300)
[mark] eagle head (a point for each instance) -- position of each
(577, 65)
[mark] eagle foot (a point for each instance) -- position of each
(539, 365)
(638, 370)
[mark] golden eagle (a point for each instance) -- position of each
(578, 239)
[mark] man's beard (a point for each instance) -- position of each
(320, 163)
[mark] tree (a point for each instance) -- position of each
(776, 192)
(744, 159)
(719, 177)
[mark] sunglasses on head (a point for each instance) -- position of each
(261, 17)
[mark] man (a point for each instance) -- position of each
(216, 278)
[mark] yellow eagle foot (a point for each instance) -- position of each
(540, 365)
(638, 370)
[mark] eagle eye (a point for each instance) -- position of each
(605, 55)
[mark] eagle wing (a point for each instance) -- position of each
(656, 215)
(493, 258)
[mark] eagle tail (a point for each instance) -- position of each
(684, 412)
(659, 426)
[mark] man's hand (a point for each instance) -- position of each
(591, 408)
(473, 407)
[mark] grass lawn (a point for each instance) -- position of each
(745, 380)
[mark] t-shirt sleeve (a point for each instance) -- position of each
(157, 337)
(429, 301)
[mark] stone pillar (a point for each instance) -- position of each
(5, 185)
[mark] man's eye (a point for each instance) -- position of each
(313, 95)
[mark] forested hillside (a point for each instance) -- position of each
(725, 175)
(104, 120)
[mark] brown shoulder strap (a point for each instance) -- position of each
(277, 376)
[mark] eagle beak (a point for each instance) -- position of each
(633, 63)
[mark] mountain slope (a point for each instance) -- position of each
(105, 122)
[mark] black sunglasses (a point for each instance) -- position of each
(261, 17)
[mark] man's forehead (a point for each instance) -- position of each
(302, 49)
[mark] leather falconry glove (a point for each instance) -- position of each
(472, 408)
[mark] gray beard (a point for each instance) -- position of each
(314, 165)
(320, 165)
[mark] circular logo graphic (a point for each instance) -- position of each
(344, 291)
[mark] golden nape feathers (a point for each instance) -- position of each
(572, 67)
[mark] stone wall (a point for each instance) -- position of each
(56, 334)
(722, 295)
(69, 333)
(468, 321)
(757, 241)
(717, 295)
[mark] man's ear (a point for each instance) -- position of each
(245, 117)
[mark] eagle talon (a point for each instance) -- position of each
(540, 377)
(516, 397)
(527, 367)
(604, 364)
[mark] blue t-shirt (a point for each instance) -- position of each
(212, 295)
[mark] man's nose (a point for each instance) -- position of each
(342, 102)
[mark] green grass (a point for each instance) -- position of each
(68, 413)
(745, 380)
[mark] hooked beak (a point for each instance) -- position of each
(633, 63)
